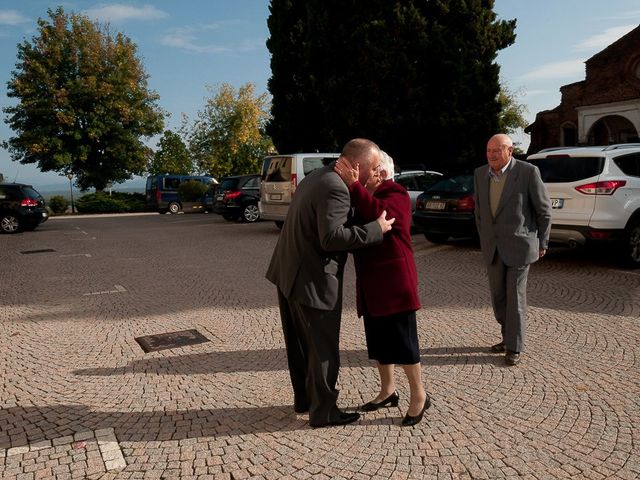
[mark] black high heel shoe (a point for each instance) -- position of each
(409, 420)
(391, 401)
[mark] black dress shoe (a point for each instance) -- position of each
(391, 401)
(409, 420)
(341, 418)
(498, 348)
(512, 358)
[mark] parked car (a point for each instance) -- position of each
(416, 182)
(280, 177)
(21, 208)
(237, 198)
(446, 209)
(595, 195)
(161, 192)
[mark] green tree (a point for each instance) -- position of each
(228, 136)
(512, 113)
(83, 102)
(418, 77)
(172, 156)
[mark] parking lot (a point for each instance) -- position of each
(79, 398)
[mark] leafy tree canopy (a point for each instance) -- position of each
(417, 76)
(172, 156)
(83, 102)
(228, 137)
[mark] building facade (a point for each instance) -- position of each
(600, 110)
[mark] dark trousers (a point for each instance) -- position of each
(312, 338)
(509, 300)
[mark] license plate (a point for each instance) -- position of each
(275, 196)
(557, 202)
(436, 205)
(220, 197)
(45, 214)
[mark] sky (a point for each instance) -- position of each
(189, 45)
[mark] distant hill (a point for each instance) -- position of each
(51, 189)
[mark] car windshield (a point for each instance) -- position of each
(454, 184)
(279, 170)
(563, 168)
(30, 192)
(228, 184)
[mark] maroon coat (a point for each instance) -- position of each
(386, 276)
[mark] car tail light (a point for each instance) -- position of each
(29, 202)
(231, 195)
(294, 183)
(420, 203)
(599, 234)
(601, 188)
(466, 204)
(158, 196)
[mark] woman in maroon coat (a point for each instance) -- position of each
(387, 288)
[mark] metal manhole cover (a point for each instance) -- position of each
(42, 250)
(164, 341)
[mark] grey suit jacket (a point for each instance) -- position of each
(522, 223)
(308, 262)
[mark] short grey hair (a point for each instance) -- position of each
(386, 165)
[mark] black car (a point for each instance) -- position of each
(446, 209)
(21, 208)
(237, 198)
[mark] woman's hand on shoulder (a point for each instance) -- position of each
(348, 173)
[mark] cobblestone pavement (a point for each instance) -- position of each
(80, 399)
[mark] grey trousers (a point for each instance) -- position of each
(312, 339)
(508, 287)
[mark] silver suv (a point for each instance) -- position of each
(595, 195)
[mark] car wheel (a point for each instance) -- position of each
(279, 224)
(174, 207)
(436, 237)
(9, 223)
(250, 213)
(632, 250)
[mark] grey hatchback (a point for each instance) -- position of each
(21, 208)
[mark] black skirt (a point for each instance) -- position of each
(392, 339)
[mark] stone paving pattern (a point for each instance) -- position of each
(80, 399)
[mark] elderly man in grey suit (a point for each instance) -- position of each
(307, 267)
(513, 216)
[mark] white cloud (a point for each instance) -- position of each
(186, 38)
(119, 12)
(604, 39)
(187, 42)
(11, 17)
(556, 70)
(533, 93)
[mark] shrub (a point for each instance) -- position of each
(192, 190)
(58, 204)
(117, 202)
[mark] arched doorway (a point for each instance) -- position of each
(612, 129)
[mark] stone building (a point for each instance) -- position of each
(600, 110)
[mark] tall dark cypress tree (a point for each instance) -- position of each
(417, 76)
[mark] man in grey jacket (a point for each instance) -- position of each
(307, 267)
(513, 216)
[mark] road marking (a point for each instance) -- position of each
(88, 255)
(118, 289)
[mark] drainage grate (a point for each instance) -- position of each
(43, 250)
(164, 341)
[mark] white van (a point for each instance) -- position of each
(280, 177)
